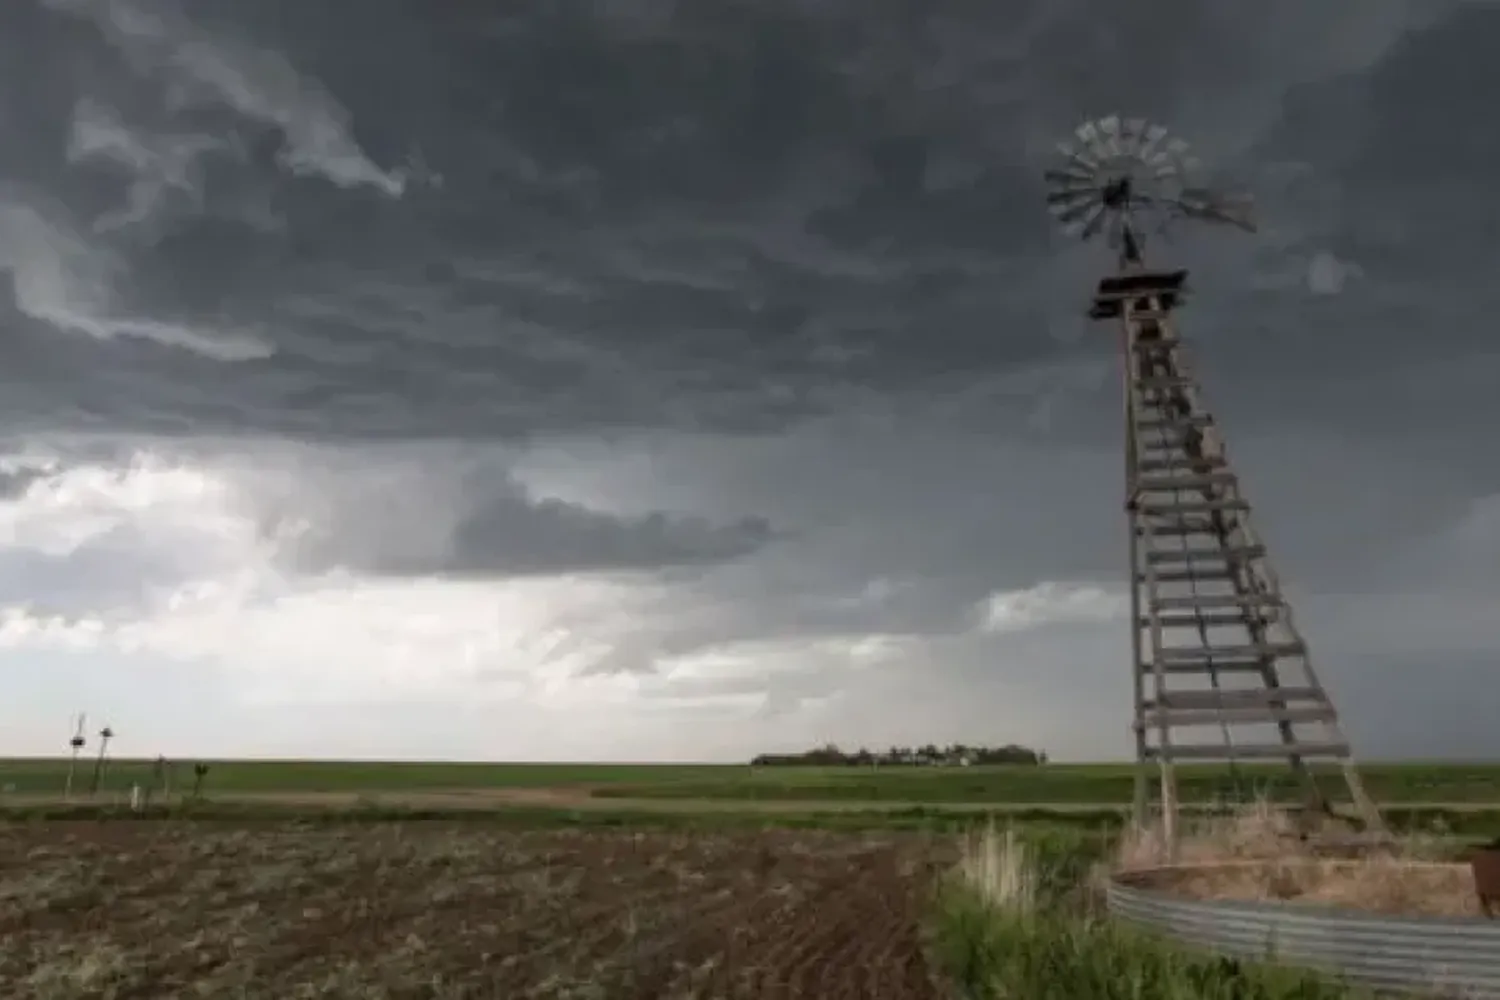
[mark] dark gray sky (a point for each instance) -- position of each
(654, 379)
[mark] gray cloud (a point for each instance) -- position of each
(780, 274)
(404, 512)
(746, 235)
(509, 534)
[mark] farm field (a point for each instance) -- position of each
(428, 910)
(1053, 785)
(251, 894)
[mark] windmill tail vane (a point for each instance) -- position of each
(1220, 671)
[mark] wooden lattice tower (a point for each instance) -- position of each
(1220, 670)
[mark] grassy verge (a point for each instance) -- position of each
(1106, 823)
(1049, 784)
(1017, 920)
(919, 819)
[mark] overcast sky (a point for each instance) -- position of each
(654, 380)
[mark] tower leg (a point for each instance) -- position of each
(1169, 807)
(1369, 813)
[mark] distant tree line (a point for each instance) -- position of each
(931, 755)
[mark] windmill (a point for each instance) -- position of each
(1220, 670)
(75, 745)
(105, 735)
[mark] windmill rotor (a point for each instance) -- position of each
(1124, 178)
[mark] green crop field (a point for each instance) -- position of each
(43, 775)
(1049, 784)
(1056, 784)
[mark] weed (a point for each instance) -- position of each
(1008, 928)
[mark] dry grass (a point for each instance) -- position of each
(1000, 868)
(1256, 854)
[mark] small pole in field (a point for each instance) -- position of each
(105, 735)
(76, 746)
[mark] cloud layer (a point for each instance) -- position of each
(679, 381)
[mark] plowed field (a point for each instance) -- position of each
(142, 910)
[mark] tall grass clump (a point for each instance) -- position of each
(1015, 922)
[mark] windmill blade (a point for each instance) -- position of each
(1091, 229)
(1085, 228)
(1087, 134)
(1077, 189)
(1109, 131)
(1135, 136)
(1070, 213)
(1076, 157)
(1069, 195)
(1150, 142)
(1171, 158)
(1073, 177)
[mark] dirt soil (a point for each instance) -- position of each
(426, 910)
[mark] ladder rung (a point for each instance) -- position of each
(1230, 553)
(1264, 751)
(1237, 698)
(1211, 620)
(1180, 462)
(1192, 574)
(1190, 422)
(1158, 345)
(1156, 484)
(1192, 507)
(1225, 666)
(1267, 650)
(1191, 601)
(1180, 529)
(1155, 315)
(1158, 382)
(1267, 714)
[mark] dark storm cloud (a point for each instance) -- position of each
(735, 216)
(433, 522)
(511, 535)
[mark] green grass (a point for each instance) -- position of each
(1035, 932)
(1083, 784)
(45, 775)
(1055, 784)
(1051, 955)
(1097, 827)
(923, 819)
(1059, 784)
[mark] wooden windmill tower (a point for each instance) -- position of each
(1221, 672)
